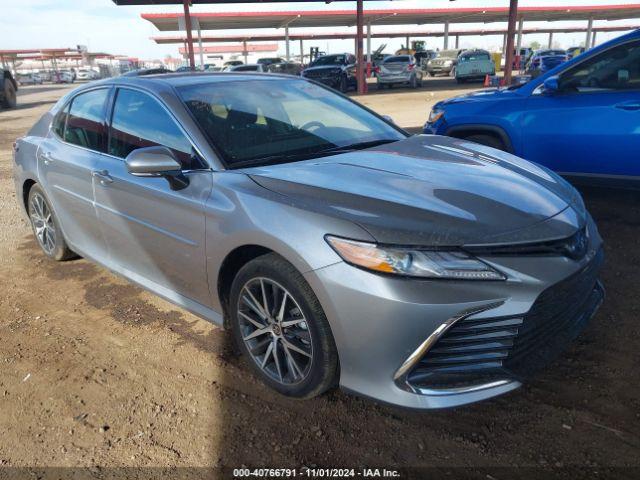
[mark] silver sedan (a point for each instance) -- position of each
(420, 271)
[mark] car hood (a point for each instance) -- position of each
(492, 94)
(323, 68)
(432, 190)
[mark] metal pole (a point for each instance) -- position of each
(457, 42)
(244, 51)
(301, 52)
(369, 50)
(286, 42)
(360, 50)
(593, 39)
(550, 39)
(504, 45)
(407, 40)
(187, 26)
(520, 27)
(589, 29)
(200, 46)
(508, 63)
(446, 36)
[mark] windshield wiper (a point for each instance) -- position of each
(359, 146)
(296, 157)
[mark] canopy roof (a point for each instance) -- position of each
(420, 16)
(399, 34)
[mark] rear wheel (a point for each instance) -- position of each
(488, 140)
(9, 95)
(46, 227)
(280, 327)
(414, 82)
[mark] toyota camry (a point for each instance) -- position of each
(420, 271)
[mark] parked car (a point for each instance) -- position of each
(87, 74)
(580, 118)
(231, 63)
(399, 70)
(181, 69)
(286, 68)
(29, 79)
(445, 63)
(474, 65)
(544, 60)
(149, 71)
(249, 67)
(420, 271)
(336, 71)
(63, 76)
(575, 51)
(423, 57)
(265, 62)
(8, 89)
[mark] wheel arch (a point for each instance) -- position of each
(463, 131)
(26, 188)
(229, 268)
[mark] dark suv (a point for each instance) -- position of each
(8, 89)
(336, 71)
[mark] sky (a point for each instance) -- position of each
(104, 27)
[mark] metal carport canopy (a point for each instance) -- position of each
(210, 38)
(416, 16)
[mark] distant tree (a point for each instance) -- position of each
(535, 45)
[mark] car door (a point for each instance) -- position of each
(66, 158)
(591, 124)
(155, 235)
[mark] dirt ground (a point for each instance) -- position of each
(97, 373)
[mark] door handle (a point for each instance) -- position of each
(47, 158)
(629, 106)
(103, 176)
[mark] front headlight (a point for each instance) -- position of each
(435, 115)
(448, 62)
(452, 264)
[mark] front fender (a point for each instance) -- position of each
(239, 213)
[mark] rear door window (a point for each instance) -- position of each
(85, 124)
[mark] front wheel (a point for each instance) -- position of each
(46, 227)
(344, 85)
(280, 327)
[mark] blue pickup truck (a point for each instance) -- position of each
(580, 119)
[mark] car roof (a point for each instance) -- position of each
(181, 79)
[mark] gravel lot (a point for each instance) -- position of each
(96, 372)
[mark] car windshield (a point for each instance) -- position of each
(448, 54)
(329, 60)
(474, 57)
(399, 59)
(262, 122)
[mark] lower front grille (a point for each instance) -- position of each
(475, 351)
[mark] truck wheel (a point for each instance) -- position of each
(9, 99)
(344, 86)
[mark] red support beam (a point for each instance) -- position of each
(187, 26)
(511, 31)
(362, 85)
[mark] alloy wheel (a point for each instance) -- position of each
(43, 225)
(275, 331)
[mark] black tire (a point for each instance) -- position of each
(414, 82)
(381, 86)
(9, 99)
(432, 74)
(488, 140)
(60, 251)
(344, 85)
(322, 370)
(460, 80)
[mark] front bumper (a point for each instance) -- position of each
(436, 69)
(381, 323)
(332, 81)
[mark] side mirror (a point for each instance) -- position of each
(388, 119)
(551, 85)
(157, 162)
